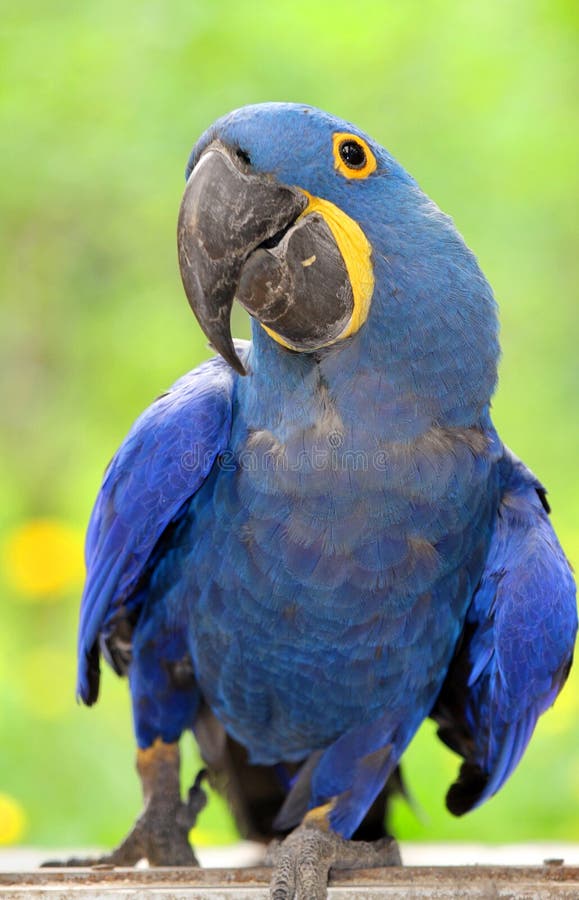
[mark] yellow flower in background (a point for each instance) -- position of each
(43, 558)
(12, 820)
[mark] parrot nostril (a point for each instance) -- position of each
(243, 155)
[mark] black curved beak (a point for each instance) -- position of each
(226, 213)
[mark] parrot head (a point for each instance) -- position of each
(323, 237)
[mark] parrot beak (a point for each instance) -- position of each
(244, 235)
(225, 214)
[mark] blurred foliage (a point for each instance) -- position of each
(100, 103)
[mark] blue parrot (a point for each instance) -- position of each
(316, 540)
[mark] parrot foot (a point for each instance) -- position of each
(303, 860)
(160, 835)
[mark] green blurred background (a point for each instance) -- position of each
(100, 103)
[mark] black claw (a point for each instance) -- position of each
(196, 801)
(202, 775)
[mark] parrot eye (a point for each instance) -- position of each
(352, 156)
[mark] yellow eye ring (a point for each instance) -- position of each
(352, 156)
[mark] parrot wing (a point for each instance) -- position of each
(163, 461)
(517, 645)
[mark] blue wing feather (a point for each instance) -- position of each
(163, 461)
(517, 647)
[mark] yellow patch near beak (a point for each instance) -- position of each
(356, 252)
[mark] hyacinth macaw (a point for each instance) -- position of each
(316, 540)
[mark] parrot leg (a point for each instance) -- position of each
(161, 832)
(303, 860)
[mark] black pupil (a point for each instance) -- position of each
(353, 154)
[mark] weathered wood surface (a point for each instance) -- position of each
(435, 883)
